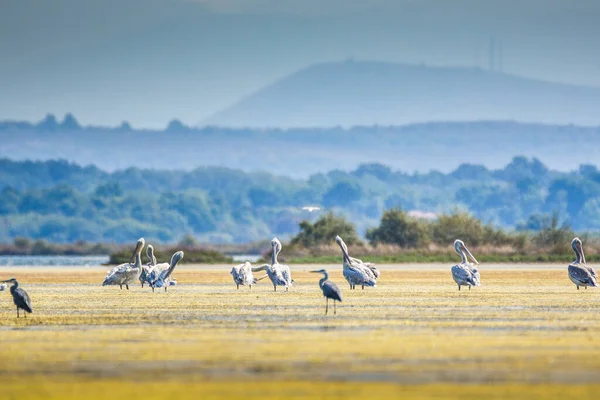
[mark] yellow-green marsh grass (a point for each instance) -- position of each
(526, 333)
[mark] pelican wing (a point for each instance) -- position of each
(116, 275)
(463, 275)
(276, 276)
(242, 274)
(592, 272)
(246, 275)
(286, 274)
(358, 275)
(155, 271)
(236, 274)
(581, 275)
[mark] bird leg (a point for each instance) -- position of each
(165, 288)
(363, 287)
(238, 286)
(275, 288)
(469, 288)
(459, 288)
(17, 312)
(121, 286)
(127, 286)
(577, 287)
(585, 287)
(326, 305)
(250, 287)
(334, 309)
(142, 284)
(287, 288)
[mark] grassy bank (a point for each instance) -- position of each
(431, 258)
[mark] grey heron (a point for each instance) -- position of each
(242, 275)
(146, 269)
(127, 273)
(330, 290)
(163, 278)
(279, 274)
(579, 273)
(20, 297)
(356, 271)
(465, 273)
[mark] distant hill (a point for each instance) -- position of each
(366, 93)
(301, 152)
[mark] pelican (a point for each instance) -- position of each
(127, 273)
(20, 297)
(279, 274)
(146, 269)
(162, 278)
(330, 290)
(579, 273)
(242, 275)
(356, 271)
(465, 273)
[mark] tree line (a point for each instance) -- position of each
(64, 202)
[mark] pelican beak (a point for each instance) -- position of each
(470, 255)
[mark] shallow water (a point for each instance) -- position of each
(52, 261)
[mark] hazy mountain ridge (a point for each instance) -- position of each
(300, 152)
(365, 93)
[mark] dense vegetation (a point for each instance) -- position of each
(402, 238)
(63, 202)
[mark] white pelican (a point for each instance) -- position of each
(579, 273)
(162, 278)
(465, 273)
(279, 274)
(242, 275)
(357, 272)
(146, 269)
(127, 273)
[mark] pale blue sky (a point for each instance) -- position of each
(148, 61)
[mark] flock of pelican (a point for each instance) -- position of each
(355, 271)
(154, 274)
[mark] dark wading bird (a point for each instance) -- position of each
(330, 290)
(20, 297)
(579, 273)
